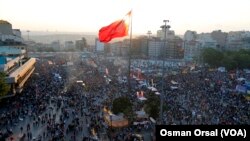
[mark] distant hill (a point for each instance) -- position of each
(48, 37)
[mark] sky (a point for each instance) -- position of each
(90, 15)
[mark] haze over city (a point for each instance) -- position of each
(90, 15)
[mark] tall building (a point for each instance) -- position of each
(9, 35)
(206, 40)
(5, 28)
(139, 47)
(155, 46)
(191, 46)
(124, 50)
(170, 34)
(174, 48)
(238, 40)
(17, 32)
(18, 67)
(99, 46)
(115, 48)
(69, 45)
(220, 38)
(190, 35)
(55, 45)
(14, 61)
(81, 44)
(192, 50)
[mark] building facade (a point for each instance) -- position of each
(9, 35)
(18, 67)
(190, 36)
(14, 61)
(155, 47)
(192, 50)
(220, 38)
(99, 46)
(170, 34)
(174, 48)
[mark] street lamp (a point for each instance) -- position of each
(28, 35)
(164, 28)
(149, 33)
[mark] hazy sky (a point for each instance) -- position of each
(91, 15)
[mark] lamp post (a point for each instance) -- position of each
(28, 34)
(164, 28)
(149, 33)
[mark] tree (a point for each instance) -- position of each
(228, 62)
(242, 60)
(4, 87)
(122, 105)
(229, 59)
(152, 106)
(212, 56)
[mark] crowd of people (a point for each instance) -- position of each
(205, 98)
(65, 102)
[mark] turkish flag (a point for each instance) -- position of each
(116, 29)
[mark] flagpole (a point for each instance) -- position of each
(164, 27)
(129, 52)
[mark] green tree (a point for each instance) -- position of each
(152, 106)
(212, 56)
(122, 105)
(242, 60)
(229, 59)
(228, 62)
(4, 87)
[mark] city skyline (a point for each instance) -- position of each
(89, 16)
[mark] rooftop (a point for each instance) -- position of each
(14, 50)
(4, 22)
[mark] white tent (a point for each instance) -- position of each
(152, 119)
(241, 79)
(142, 98)
(174, 87)
(141, 114)
(157, 93)
(174, 82)
(79, 81)
(152, 89)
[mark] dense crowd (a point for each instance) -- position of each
(205, 98)
(54, 106)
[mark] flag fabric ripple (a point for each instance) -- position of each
(116, 29)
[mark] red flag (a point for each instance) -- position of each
(116, 29)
